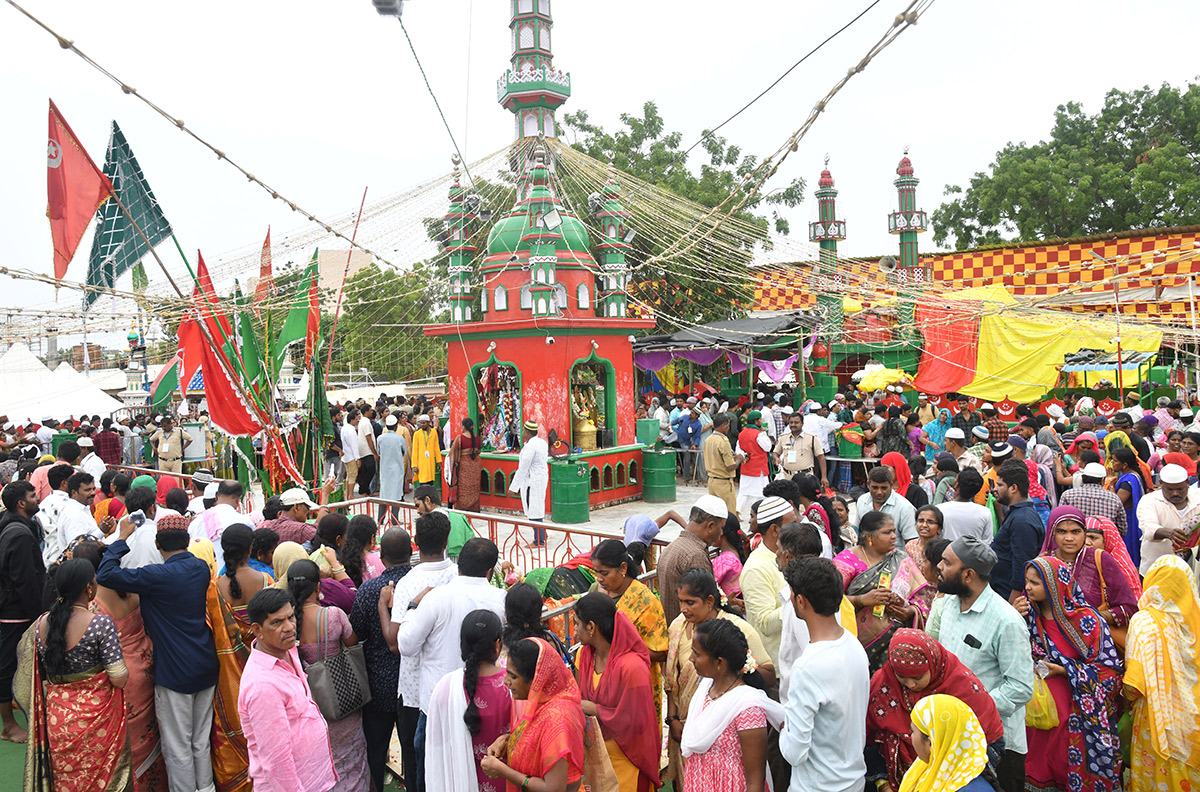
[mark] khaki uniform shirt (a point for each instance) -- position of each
(169, 447)
(798, 453)
(718, 456)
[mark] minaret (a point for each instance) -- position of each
(461, 253)
(827, 232)
(908, 221)
(532, 89)
(611, 249)
(541, 237)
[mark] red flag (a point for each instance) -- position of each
(75, 189)
(314, 322)
(228, 410)
(263, 290)
(214, 317)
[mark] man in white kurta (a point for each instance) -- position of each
(393, 454)
(533, 478)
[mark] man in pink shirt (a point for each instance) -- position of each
(286, 735)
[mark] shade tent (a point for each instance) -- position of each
(760, 332)
(29, 391)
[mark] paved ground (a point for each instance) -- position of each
(613, 518)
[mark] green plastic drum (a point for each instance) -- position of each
(658, 476)
(647, 431)
(59, 438)
(569, 492)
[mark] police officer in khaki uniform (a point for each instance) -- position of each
(168, 443)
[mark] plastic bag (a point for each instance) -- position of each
(1041, 712)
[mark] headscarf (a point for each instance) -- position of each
(1049, 438)
(1161, 659)
(550, 725)
(899, 465)
(1036, 490)
(1086, 423)
(286, 554)
(1043, 457)
(1074, 447)
(936, 430)
(1058, 515)
(203, 549)
(1079, 622)
(958, 754)
(1183, 460)
(165, 485)
(1114, 545)
(911, 654)
(625, 697)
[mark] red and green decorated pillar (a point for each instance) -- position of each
(827, 231)
(611, 249)
(541, 237)
(461, 254)
(532, 89)
(908, 221)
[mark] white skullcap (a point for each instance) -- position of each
(771, 509)
(1096, 470)
(955, 434)
(711, 504)
(1054, 411)
(1173, 474)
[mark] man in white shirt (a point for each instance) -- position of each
(1162, 515)
(91, 462)
(431, 630)
(350, 454)
(50, 511)
(882, 497)
(143, 549)
(825, 729)
(367, 452)
(761, 579)
(213, 522)
(45, 434)
(433, 570)
(661, 415)
(75, 519)
(201, 478)
(817, 422)
(963, 516)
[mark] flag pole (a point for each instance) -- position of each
(345, 274)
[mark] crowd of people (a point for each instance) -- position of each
(1018, 614)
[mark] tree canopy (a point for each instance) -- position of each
(1131, 165)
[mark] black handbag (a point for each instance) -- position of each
(338, 682)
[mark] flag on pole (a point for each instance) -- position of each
(75, 189)
(248, 344)
(263, 290)
(303, 319)
(166, 383)
(116, 245)
(228, 410)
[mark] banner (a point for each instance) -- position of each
(303, 319)
(116, 245)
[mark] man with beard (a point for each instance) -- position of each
(987, 634)
(23, 573)
(1020, 537)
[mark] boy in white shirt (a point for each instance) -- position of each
(826, 709)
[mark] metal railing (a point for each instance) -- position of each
(512, 535)
(245, 507)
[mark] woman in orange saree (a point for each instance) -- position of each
(546, 740)
(77, 732)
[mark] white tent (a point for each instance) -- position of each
(29, 391)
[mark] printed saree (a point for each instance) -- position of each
(548, 725)
(230, 758)
(895, 572)
(646, 612)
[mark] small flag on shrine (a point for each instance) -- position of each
(166, 383)
(75, 189)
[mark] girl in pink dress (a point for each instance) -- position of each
(724, 742)
(727, 566)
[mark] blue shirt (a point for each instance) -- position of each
(383, 667)
(174, 603)
(688, 430)
(1018, 542)
(256, 565)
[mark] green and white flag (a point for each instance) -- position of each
(116, 245)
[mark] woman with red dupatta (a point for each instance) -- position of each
(1075, 654)
(74, 673)
(918, 666)
(544, 750)
(614, 681)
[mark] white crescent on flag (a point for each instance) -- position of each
(53, 153)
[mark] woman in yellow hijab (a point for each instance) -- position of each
(951, 749)
(1161, 679)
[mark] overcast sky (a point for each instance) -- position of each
(323, 98)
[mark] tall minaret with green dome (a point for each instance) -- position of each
(907, 222)
(827, 231)
(532, 89)
(458, 248)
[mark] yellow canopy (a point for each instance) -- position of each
(881, 378)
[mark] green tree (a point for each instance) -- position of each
(380, 327)
(710, 281)
(1134, 164)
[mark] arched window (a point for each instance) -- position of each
(483, 300)
(544, 38)
(612, 309)
(526, 296)
(549, 124)
(457, 314)
(584, 296)
(541, 306)
(560, 297)
(501, 298)
(531, 125)
(611, 233)
(526, 36)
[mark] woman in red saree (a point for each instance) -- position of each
(77, 732)
(544, 750)
(614, 681)
(464, 453)
(918, 666)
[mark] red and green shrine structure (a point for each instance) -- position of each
(540, 329)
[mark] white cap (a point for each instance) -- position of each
(833, 405)
(788, 410)
(1096, 470)
(1186, 413)
(772, 508)
(760, 395)
(987, 406)
(390, 420)
(294, 497)
(1054, 411)
(210, 490)
(422, 417)
(85, 442)
(1173, 474)
(711, 504)
(955, 434)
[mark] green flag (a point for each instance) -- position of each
(303, 318)
(166, 383)
(248, 344)
(116, 245)
(320, 430)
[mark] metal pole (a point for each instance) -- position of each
(1117, 305)
(1196, 350)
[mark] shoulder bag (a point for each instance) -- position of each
(338, 682)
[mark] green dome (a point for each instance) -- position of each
(505, 236)
(574, 234)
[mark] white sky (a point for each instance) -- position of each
(323, 98)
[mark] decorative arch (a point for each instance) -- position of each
(500, 488)
(473, 391)
(621, 480)
(527, 39)
(544, 38)
(485, 482)
(501, 301)
(633, 471)
(595, 482)
(608, 477)
(584, 296)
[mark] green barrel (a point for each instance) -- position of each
(658, 476)
(569, 492)
(647, 431)
(58, 439)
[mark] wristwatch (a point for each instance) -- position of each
(412, 605)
